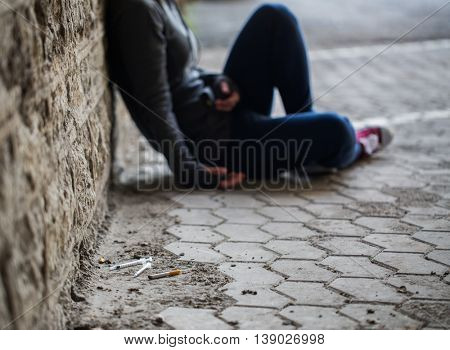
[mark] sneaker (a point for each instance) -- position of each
(373, 139)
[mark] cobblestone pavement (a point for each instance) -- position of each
(327, 23)
(364, 248)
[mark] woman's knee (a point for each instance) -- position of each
(278, 12)
(340, 131)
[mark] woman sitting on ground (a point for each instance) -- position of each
(217, 129)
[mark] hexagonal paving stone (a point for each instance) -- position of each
(243, 233)
(427, 287)
(195, 217)
(444, 203)
(428, 223)
(442, 190)
(366, 289)
(282, 199)
(365, 195)
(338, 227)
(430, 210)
(353, 266)
(314, 317)
(347, 246)
(295, 249)
(326, 197)
(187, 318)
(356, 181)
(311, 293)
(286, 214)
(247, 252)
(377, 209)
(386, 225)
(442, 256)
(410, 263)
(198, 252)
(433, 312)
(331, 211)
(264, 297)
(447, 279)
(397, 243)
(440, 239)
(395, 169)
(197, 200)
(240, 216)
(379, 317)
(238, 200)
(254, 318)
(300, 270)
(251, 273)
(198, 234)
(400, 181)
(285, 230)
(415, 197)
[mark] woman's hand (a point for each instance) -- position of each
(228, 104)
(231, 180)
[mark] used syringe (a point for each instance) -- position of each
(141, 261)
(146, 266)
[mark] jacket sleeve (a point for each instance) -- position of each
(142, 47)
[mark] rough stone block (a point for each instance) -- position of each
(55, 127)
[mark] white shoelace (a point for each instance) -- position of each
(370, 143)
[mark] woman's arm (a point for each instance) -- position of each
(142, 47)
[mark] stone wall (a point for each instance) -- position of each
(55, 122)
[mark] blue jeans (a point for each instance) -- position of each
(270, 53)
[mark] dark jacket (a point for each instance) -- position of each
(153, 60)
